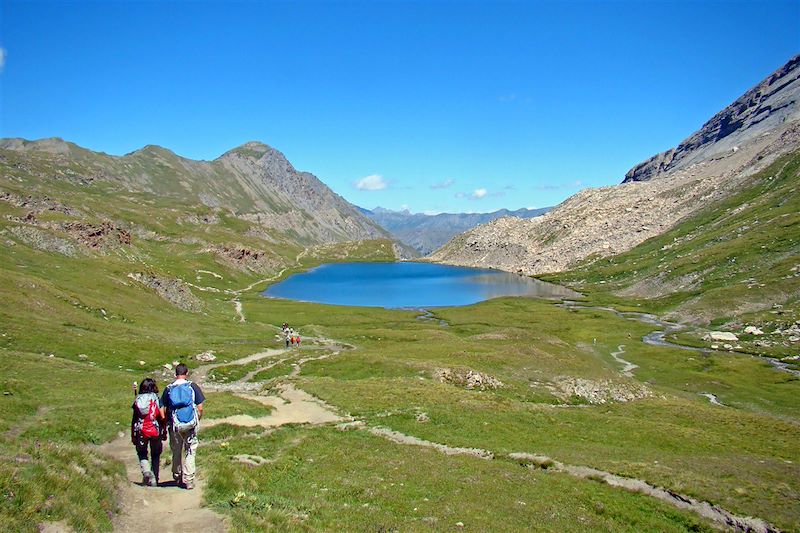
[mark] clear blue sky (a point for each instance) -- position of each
(523, 102)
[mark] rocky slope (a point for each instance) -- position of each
(657, 194)
(426, 233)
(252, 182)
(758, 111)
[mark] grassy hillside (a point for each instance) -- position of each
(736, 263)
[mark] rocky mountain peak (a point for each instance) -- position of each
(774, 101)
(254, 150)
(153, 150)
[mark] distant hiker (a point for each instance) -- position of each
(285, 327)
(288, 339)
(147, 429)
(183, 407)
(297, 340)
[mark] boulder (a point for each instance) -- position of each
(206, 356)
(752, 330)
(722, 336)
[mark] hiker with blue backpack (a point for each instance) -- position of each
(148, 429)
(183, 407)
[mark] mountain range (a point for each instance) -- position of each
(425, 233)
(253, 182)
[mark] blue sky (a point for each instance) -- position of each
(437, 106)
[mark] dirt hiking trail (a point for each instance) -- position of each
(172, 509)
(163, 509)
(169, 508)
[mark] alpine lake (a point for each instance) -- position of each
(408, 285)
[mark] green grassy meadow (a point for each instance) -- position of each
(75, 331)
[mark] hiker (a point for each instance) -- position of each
(288, 339)
(183, 407)
(297, 340)
(285, 327)
(148, 429)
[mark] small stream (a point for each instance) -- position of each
(658, 337)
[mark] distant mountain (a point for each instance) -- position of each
(426, 233)
(253, 182)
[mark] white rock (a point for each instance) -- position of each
(727, 346)
(141, 363)
(206, 356)
(722, 336)
(752, 330)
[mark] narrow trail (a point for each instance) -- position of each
(237, 303)
(172, 509)
(707, 510)
(236, 293)
(627, 366)
(166, 508)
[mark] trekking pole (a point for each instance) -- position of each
(135, 386)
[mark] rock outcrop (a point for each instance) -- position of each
(468, 379)
(170, 289)
(596, 223)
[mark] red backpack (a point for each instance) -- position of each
(146, 407)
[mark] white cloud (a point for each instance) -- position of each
(3, 55)
(443, 184)
(373, 182)
(477, 194)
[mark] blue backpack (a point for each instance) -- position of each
(182, 406)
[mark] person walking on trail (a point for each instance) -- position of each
(183, 407)
(148, 429)
(288, 339)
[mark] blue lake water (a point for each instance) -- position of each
(408, 284)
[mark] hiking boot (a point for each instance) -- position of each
(147, 479)
(189, 485)
(153, 481)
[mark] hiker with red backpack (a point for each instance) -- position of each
(148, 429)
(182, 406)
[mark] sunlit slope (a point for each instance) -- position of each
(254, 183)
(737, 259)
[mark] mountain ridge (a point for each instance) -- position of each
(254, 181)
(425, 233)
